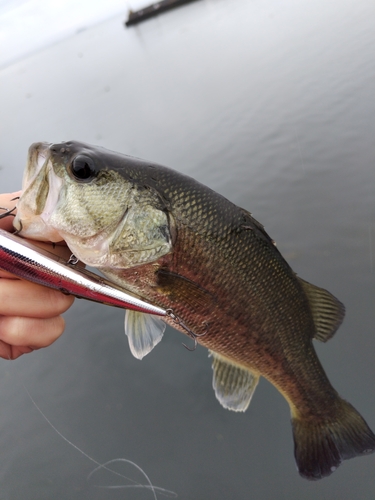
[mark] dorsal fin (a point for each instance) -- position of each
(234, 386)
(327, 311)
(144, 331)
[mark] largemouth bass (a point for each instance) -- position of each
(179, 245)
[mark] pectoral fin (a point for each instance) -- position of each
(327, 311)
(144, 331)
(181, 289)
(234, 386)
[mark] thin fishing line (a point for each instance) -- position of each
(150, 486)
(114, 487)
(370, 249)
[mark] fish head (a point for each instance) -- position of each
(97, 201)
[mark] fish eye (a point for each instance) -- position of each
(83, 168)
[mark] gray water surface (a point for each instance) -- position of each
(272, 105)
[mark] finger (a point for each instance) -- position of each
(6, 275)
(23, 298)
(28, 334)
(13, 352)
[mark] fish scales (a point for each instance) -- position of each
(215, 227)
(185, 248)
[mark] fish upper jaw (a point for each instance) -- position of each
(40, 192)
(37, 155)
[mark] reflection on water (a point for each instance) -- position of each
(270, 104)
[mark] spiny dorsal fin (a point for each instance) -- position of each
(234, 386)
(327, 311)
(144, 331)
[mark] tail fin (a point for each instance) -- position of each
(321, 445)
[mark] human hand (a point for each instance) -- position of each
(30, 314)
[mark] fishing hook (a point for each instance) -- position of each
(73, 260)
(191, 334)
(7, 212)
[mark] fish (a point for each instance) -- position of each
(181, 246)
(27, 261)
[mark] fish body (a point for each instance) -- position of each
(183, 247)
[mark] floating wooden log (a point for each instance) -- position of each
(153, 10)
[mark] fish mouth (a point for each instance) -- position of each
(40, 193)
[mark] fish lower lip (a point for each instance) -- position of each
(17, 224)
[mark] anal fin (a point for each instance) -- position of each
(144, 331)
(234, 386)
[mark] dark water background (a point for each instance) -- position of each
(272, 105)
